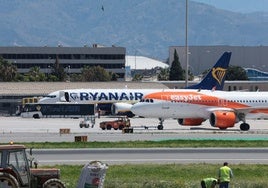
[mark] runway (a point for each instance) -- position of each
(19, 129)
(153, 155)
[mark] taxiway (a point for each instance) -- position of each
(19, 129)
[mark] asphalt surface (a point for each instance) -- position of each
(153, 155)
(19, 129)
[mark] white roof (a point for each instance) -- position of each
(142, 63)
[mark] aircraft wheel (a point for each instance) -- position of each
(109, 127)
(244, 127)
(36, 116)
(160, 127)
(7, 180)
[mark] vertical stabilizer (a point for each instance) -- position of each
(216, 76)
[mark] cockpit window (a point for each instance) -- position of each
(147, 100)
(51, 96)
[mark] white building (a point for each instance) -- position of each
(142, 65)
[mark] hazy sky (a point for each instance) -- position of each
(244, 6)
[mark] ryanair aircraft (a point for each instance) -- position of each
(121, 100)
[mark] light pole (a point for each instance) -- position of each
(135, 60)
(186, 42)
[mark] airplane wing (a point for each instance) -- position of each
(256, 109)
(239, 111)
(205, 112)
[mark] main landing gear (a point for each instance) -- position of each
(244, 126)
(160, 126)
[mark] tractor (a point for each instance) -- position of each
(16, 170)
(121, 123)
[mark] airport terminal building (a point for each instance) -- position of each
(73, 59)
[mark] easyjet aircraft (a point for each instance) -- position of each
(121, 100)
(222, 108)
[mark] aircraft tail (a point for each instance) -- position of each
(216, 76)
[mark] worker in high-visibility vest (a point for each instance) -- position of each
(225, 175)
(209, 182)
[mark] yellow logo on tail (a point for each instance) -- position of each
(218, 73)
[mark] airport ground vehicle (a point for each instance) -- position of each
(36, 110)
(89, 121)
(120, 123)
(16, 170)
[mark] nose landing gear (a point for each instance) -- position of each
(160, 126)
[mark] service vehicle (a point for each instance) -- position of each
(36, 110)
(89, 121)
(16, 170)
(120, 123)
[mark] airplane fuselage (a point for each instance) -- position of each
(95, 96)
(199, 104)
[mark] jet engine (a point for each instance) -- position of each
(122, 109)
(190, 121)
(222, 119)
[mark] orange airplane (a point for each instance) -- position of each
(222, 108)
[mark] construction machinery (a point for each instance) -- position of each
(16, 170)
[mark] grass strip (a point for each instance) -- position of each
(164, 175)
(170, 175)
(150, 144)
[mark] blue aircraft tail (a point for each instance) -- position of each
(216, 76)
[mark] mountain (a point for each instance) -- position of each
(145, 28)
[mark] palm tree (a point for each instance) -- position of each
(8, 71)
(36, 75)
(163, 74)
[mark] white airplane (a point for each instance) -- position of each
(121, 100)
(222, 108)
